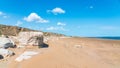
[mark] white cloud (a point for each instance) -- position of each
(51, 28)
(1, 13)
(56, 28)
(18, 23)
(61, 24)
(5, 16)
(34, 17)
(56, 11)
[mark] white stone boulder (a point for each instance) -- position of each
(6, 42)
(30, 38)
(6, 52)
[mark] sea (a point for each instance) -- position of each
(109, 38)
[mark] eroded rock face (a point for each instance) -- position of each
(30, 38)
(35, 40)
(6, 42)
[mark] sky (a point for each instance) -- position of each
(84, 18)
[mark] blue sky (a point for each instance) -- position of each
(71, 17)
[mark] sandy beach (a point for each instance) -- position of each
(59, 33)
(71, 53)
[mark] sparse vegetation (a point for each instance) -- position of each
(0, 33)
(52, 34)
(14, 30)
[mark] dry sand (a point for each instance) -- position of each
(72, 53)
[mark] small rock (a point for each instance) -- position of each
(78, 46)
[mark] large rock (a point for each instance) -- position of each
(30, 38)
(6, 52)
(6, 42)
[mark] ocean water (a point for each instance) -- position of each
(110, 38)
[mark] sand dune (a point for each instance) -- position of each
(74, 53)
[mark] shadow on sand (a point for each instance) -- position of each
(44, 45)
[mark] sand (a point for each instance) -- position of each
(72, 53)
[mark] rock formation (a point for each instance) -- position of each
(30, 38)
